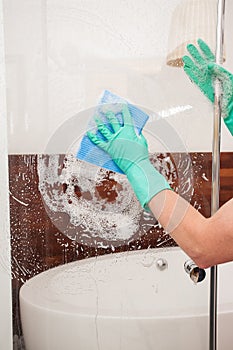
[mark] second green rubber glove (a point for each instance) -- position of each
(130, 152)
(203, 71)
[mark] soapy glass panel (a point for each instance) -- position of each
(84, 48)
(60, 56)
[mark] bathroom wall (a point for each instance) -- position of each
(54, 71)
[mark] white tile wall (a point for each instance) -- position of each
(61, 54)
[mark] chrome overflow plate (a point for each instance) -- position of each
(161, 264)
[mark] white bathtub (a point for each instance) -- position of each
(123, 302)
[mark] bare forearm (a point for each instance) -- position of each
(203, 239)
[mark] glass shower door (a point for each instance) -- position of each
(60, 58)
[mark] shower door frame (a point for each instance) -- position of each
(6, 331)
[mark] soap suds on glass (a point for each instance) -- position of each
(95, 206)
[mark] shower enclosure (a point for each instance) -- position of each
(57, 59)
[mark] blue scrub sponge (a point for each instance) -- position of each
(93, 154)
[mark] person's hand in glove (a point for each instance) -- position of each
(203, 71)
(130, 152)
(188, 227)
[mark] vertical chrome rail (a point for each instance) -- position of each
(216, 171)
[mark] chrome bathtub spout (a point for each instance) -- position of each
(195, 273)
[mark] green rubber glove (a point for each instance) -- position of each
(203, 71)
(130, 152)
